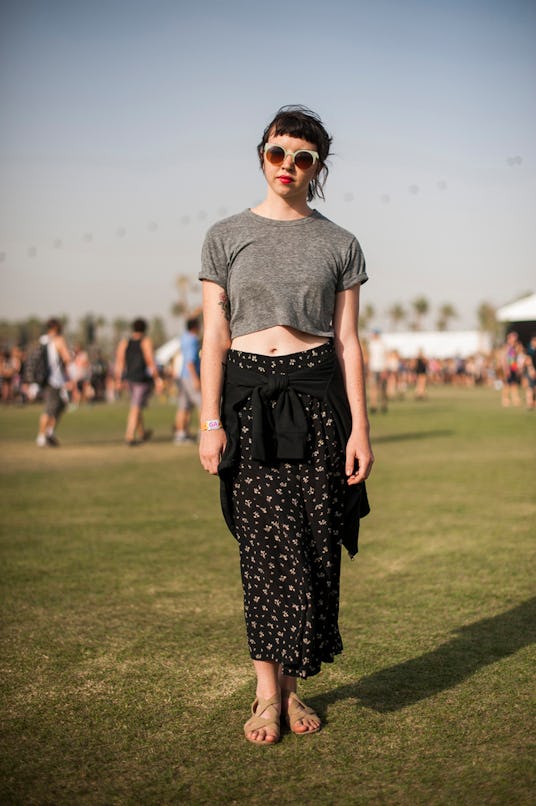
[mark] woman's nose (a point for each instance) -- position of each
(288, 162)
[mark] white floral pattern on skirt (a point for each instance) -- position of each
(288, 518)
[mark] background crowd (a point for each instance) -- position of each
(91, 374)
(509, 368)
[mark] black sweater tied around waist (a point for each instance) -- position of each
(279, 432)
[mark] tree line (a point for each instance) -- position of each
(89, 330)
(411, 316)
(93, 329)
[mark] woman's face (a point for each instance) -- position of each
(287, 180)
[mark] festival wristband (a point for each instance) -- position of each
(211, 425)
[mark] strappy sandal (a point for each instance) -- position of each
(298, 710)
(270, 725)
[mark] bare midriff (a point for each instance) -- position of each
(278, 340)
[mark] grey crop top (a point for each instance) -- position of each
(281, 272)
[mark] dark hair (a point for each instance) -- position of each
(54, 324)
(192, 323)
(299, 121)
(139, 326)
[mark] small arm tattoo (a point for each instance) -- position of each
(225, 305)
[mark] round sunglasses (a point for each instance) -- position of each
(303, 159)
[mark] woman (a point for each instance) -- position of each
(282, 367)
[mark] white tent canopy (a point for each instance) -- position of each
(524, 310)
(438, 344)
(167, 351)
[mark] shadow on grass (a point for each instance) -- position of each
(475, 646)
(411, 435)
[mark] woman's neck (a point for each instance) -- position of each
(282, 210)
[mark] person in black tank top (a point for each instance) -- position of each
(135, 364)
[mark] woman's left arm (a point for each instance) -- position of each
(359, 456)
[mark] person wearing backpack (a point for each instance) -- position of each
(55, 385)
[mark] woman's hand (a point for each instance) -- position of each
(211, 446)
(359, 458)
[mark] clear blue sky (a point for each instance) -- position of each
(128, 127)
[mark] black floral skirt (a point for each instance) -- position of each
(288, 518)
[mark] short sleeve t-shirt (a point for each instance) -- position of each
(281, 272)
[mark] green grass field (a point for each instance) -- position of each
(125, 676)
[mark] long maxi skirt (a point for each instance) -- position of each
(288, 518)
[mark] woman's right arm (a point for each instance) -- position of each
(216, 342)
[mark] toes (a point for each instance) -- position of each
(261, 737)
(306, 725)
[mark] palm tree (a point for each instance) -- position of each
(32, 328)
(186, 285)
(396, 314)
(420, 306)
(120, 327)
(99, 321)
(10, 333)
(87, 329)
(446, 312)
(366, 315)
(158, 331)
(183, 285)
(487, 319)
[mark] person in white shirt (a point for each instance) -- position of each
(377, 371)
(55, 390)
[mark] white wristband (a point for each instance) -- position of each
(211, 425)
